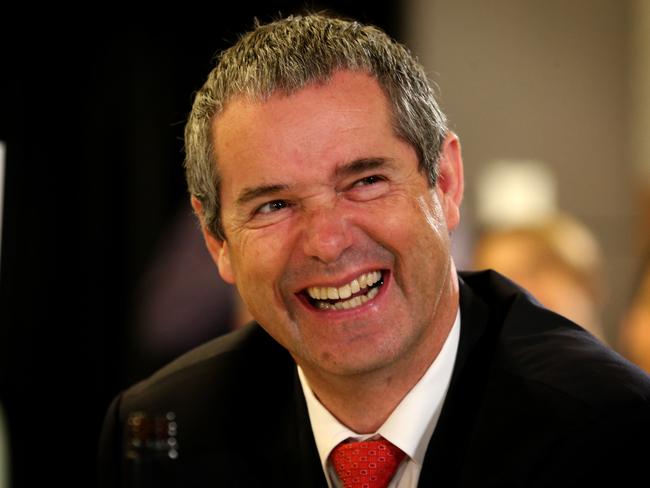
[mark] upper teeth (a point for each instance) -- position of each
(345, 291)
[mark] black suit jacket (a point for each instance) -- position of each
(534, 400)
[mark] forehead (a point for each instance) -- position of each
(348, 100)
(314, 129)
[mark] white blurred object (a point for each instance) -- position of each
(514, 192)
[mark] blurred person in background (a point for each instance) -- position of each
(524, 234)
(558, 260)
(634, 332)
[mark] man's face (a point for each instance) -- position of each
(336, 242)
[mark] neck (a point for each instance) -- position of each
(363, 401)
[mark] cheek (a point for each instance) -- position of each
(258, 263)
(409, 224)
(414, 231)
(432, 213)
(423, 239)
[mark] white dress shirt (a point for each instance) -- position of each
(409, 427)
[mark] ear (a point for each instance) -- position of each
(217, 248)
(450, 182)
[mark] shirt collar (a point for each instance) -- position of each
(413, 421)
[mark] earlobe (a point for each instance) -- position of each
(450, 180)
(221, 256)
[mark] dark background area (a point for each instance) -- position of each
(92, 109)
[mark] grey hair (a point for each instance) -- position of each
(286, 55)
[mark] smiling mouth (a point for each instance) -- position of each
(351, 295)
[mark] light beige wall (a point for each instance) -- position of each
(639, 114)
(546, 80)
(640, 87)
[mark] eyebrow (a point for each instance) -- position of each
(348, 169)
(252, 193)
(359, 166)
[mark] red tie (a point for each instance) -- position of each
(366, 464)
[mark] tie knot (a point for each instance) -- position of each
(366, 464)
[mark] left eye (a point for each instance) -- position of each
(368, 188)
(368, 180)
(273, 206)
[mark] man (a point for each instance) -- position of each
(327, 184)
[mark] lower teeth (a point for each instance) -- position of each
(348, 304)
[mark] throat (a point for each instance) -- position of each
(361, 404)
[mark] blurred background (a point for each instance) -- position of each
(103, 275)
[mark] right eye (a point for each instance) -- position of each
(272, 207)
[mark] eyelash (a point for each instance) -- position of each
(369, 180)
(277, 205)
(272, 206)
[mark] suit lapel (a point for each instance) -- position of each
(304, 461)
(446, 451)
(293, 451)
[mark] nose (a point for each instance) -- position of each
(327, 234)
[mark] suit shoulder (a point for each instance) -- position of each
(552, 403)
(548, 353)
(237, 342)
(240, 357)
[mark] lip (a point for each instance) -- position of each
(387, 282)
